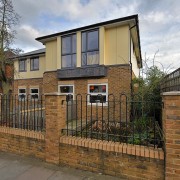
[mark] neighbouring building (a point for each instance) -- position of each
(101, 58)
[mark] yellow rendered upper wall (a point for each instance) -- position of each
(135, 67)
(114, 48)
(51, 55)
(30, 74)
(117, 45)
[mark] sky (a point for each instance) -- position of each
(159, 22)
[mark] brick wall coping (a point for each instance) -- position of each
(130, 149)
(171, 93)
(24, 133)
(54, 94)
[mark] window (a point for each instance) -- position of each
(34, 92)
(67, 89)
(34, 64)
(90, 48)
(98, 92)
(22, 93)
(69, 51)
(22, 65)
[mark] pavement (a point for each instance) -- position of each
(15, 167)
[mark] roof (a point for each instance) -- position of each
(32, 53)
(133, 17)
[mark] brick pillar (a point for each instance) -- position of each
(55, 121)
(171, 127)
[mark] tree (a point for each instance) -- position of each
(8, 20)
(149, 89)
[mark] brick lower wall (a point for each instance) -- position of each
(118, 79)
(50, 82)
(28, 83)
(22, 142)
(108, 158)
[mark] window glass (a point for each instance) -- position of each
(69, 51)
(92, 40)
(35, 64)
(83, 41)
(97, 88)
(74, 43)
(90, 48)
(34, 90)
(66, 45)
(92, 58)
(98, 93)
(22, 65)
(66, 89)
(97, 99)
(83, 58)
(66, 61)
(34, 93)
(22, 94)
(22, 91)
(73, 63)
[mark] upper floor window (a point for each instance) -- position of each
(22, 65)
(68, 51)
(34, 64)
(90, 47)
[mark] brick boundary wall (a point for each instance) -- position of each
(171, 128)
(23, 142)
(112, 158)
(105, 157)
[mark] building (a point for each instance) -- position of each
(101, 58)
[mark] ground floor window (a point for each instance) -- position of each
(22, 93)
(34, 93)
(98, 93)
(67, 90)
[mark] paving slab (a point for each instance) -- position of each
(16, 167)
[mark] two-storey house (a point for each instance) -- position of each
(101, 58)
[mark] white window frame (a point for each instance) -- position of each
(21, 94)
(66, 93)
(106, 94)
(34, 93)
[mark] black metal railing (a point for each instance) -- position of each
(23, 112)
(118, 119)
(171, 82)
